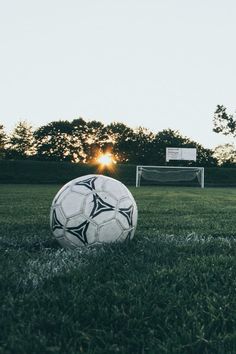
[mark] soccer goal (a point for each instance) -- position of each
(169, 175)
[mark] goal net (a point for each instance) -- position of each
(169, 175)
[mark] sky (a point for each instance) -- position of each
(153, 63)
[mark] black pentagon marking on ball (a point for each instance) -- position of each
(80, 231)
(88, 183)
(56, 224)
(128, 214)
(100, 206)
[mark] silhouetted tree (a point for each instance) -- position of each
(223, 122)
(225, 154)
(54, 141)
(96, 140)
(120, 138)
(141, 146)
(116, 130)
(79, 140)
(3, 141)
(21, 142)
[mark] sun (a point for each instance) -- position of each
(105, 159)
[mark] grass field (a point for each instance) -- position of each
(171, 290)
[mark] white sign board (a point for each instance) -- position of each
(181, 154)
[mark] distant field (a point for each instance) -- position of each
(171, 290)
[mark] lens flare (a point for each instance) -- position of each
(105, 160)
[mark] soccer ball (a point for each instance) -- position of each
(93, 209)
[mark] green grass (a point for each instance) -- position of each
(171, 290)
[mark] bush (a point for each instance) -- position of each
(44, 172)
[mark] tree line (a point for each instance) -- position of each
(82, 141)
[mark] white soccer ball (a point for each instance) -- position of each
(93, 209)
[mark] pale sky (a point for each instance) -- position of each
(153, 63)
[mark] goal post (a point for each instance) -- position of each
(169, 174)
